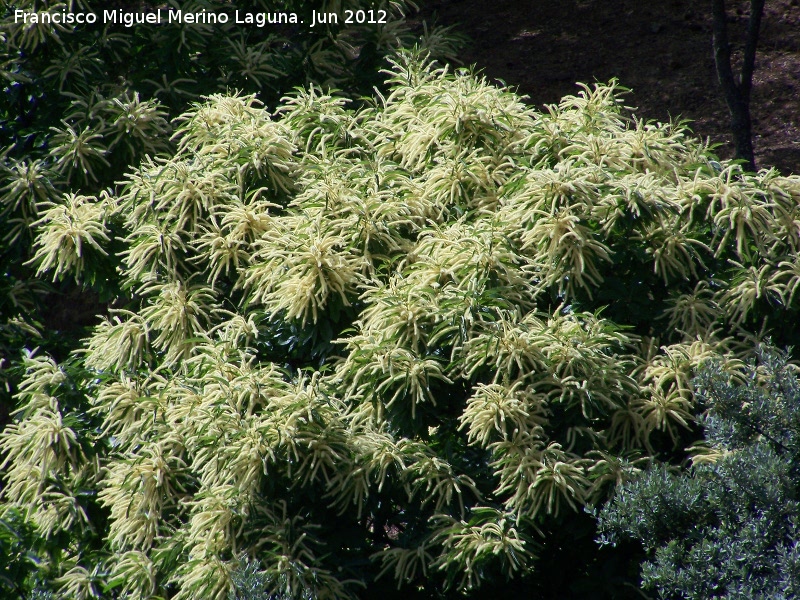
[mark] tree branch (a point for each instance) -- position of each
(722, 52)
(737, 94)
(753, 29)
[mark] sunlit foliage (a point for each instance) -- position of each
(83, 103)
(399, 341)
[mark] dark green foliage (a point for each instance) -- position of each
(729, 527)
(252, 583)
(16, 559)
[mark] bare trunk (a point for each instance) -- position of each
(737, 93)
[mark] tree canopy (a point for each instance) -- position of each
(82, 103)
(392, 342)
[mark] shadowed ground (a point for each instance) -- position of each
(661, 50)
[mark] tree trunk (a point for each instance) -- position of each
(737, 93)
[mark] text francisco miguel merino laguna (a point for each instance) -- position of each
(130, 19)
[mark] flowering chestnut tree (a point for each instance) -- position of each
(389, 343)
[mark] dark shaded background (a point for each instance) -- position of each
(659, 49)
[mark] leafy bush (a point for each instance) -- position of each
(398, 344)
(727, 528)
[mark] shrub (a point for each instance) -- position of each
(405, 342)
(727, 527)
